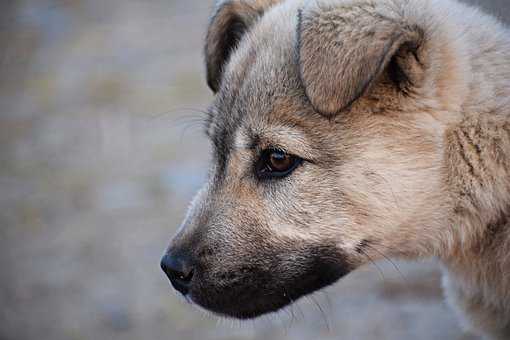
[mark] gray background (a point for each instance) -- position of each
(100, 152)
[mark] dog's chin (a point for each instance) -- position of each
(250, 302)
(244, 313)
(247, 310)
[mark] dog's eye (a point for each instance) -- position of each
(276, 163)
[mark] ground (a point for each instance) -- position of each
(100, 152)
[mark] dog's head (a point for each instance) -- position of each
(327, 132)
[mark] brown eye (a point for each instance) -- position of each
(276, 163)
(279, 161)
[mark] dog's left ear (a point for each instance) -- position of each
(229, 23)
(344, 51)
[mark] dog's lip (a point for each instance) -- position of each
(238, 313)
(180, 287)
(245, 311)
(188, 297)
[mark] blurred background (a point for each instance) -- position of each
(101, 150)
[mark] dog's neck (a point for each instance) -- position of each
(478, 147)
(478, 163)
(477, 155)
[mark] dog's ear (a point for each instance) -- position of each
(344, 51)
(231, 20)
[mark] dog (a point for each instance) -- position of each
(349, 130)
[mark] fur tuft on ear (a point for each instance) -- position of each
(344, 50)
(231, 20)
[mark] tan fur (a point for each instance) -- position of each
(375, 37)
(401, 109)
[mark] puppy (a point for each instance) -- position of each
(349, 130)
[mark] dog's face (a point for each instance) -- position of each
(328, 152)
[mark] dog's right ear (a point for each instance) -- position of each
(344, 50)
(231, 20)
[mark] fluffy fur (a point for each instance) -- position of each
(401, 112)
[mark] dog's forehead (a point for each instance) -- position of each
(264, 65)
(261, 79)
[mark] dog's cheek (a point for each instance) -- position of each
(313, 266)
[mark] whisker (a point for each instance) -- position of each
(291, 305)
(188, 127)
(389, 186)
(293, 315)
(394, 265)
(328, 299)
(197, 112)
(375, 265)
(289, 310)
(282, 321)
(295, 303)
(324, 317)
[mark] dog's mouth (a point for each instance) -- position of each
(246, 303)
(250, 291)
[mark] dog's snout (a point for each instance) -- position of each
(179, 270)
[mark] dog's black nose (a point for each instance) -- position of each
(179, 270)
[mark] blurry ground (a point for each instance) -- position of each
(97, 164)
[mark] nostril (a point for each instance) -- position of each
(179, 270)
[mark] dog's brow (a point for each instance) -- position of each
(290, 139)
